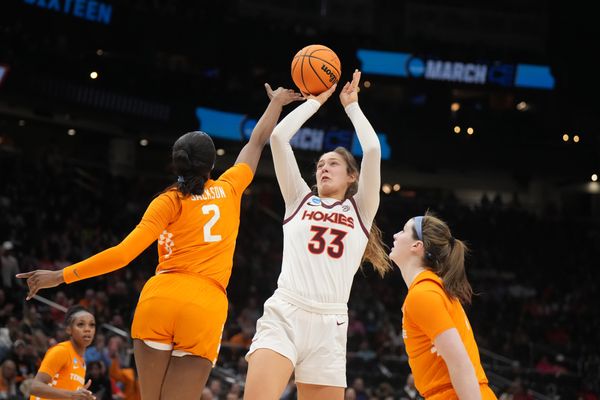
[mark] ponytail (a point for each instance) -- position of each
(190, 185)
(376, 252)
(193, 159)
(445, 256)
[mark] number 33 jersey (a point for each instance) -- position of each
(323, 244)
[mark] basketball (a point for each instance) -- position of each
(315, 69)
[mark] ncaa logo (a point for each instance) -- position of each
(314, 201)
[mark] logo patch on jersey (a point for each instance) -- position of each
(314, 201)
(345, 208)
(166, 239)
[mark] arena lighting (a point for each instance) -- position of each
(100, 52)
(565, 138)
(21, 122)
(522, 106)
(386, 188)
(144, 142)
(220, 152)
(367, 84)
(93, 75)
(457, 129)
(71, 132)
(594, 177)
(454, 107)
(470, 131)
(576, 138)
(397, 187)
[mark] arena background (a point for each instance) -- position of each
(80, 159)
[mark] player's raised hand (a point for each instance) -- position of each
(41, 279)
(324, 96)
(83, 393)
(349, 93)
(281, 95)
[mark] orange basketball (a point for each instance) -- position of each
(315, 69)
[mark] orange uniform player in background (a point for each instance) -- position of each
(181, 311)
(442, 352)
(62, 372)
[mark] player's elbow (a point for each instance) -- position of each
(372, 151)
(36, 388)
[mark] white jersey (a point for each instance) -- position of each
(324, 242)
(324, 239)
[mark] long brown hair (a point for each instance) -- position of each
(445, 255)
(376, 252)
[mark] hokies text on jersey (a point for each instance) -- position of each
(333, 217)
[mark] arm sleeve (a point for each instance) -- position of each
(115, 371)
(293, 187)
(369, 182)
(54, 360)
(428, 310)
(238, 177)
(163, 210)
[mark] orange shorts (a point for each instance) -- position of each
(450, 394)
(181, 312)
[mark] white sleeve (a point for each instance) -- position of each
(293, 187)
(369, 182)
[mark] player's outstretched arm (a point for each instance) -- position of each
(250, 153)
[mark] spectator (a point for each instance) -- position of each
(9, 266)
(98, 351)
(8, 380)
(101, 386)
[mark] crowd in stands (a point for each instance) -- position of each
(534, 274)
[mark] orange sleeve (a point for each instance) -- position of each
(56, 357)
(161, 211)
(115, 371)
(239, 177)
(429, 311)
(125, 376)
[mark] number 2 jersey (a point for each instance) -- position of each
(195, 234)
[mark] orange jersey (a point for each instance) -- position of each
(195, 234)
(65, 366)
(427, 312)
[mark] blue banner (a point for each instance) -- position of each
(238, 127)
(407, 65)
(91, 10)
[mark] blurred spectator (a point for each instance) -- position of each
(98, 351)
(9, 267)
(126, 378)
(8, 381)
(25, 360)
(216, 388)
(207, 394)
(516, 391)
(350, 394)
(359, 389)
(101, 386)
(409, 391)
